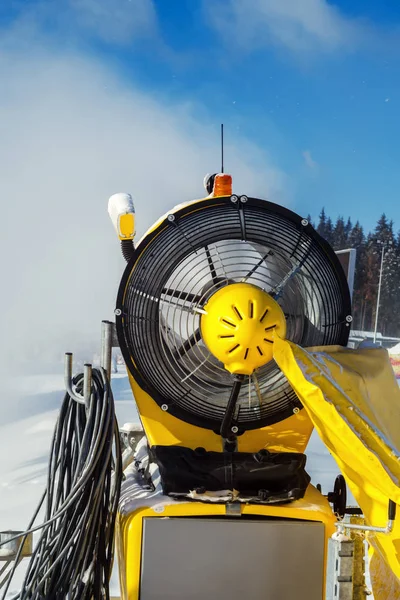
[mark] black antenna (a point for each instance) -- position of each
(222, 147)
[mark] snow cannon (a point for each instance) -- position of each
(233, 317)
(218, 490)
(206, 292)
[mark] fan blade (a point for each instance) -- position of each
(256, 386)
(188, 344)
(184, 296)
(211, 265)
(260, 262)
(278, 289)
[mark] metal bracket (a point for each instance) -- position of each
(340, 569)
(233, 509)
(341, 526)
(131, 434)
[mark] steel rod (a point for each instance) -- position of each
(106, 346)
(87, 384)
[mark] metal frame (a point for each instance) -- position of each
(342, 526)
(352, 252)
(340, 583)
(173, 219)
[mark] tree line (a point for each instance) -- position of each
(344, 234)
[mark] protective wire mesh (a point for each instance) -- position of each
(190, 258)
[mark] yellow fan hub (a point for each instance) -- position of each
(239, 327)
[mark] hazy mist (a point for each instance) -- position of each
(73, 133)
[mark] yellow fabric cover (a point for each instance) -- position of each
(353, 399)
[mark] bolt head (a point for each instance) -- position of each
(349, 318)
(304, 222)
(118, 312)
(296, 410)
(234, 429)
(171, 218)
(243, 199)
(164, 407)
(234, 199)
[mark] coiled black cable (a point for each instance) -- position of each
(74, 554)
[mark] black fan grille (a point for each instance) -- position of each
(179, 265)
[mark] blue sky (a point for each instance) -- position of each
(315, 86)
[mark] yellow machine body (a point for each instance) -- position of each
(289, 435)
(313, 507)
(349, 396)
(225, 189)
(163, 429)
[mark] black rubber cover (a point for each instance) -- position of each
(264, 476)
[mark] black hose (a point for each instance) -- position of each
(74, 554)
(128, 249)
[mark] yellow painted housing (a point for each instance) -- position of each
(313, 507)
(161, 428)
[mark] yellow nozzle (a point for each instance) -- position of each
(239, 327)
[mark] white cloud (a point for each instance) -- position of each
(308, 159)
(297, 25)
(77, 22)
(73, 133)
(117, 21)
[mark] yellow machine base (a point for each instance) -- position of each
(130, 535)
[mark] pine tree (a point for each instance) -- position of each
(390, 275)
(381, 241)
(321, 229)
(368, 267)
(329, 232)
(356, 237)
(370, 289)
(339, 235)
(356, 240)
(348, 229)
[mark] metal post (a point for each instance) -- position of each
(379, 293)
(87, 384)
(340, 569)
(68, 379)
(359, 588)
(106, 346)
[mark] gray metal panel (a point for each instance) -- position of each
(232, 559)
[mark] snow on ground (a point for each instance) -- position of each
(395, 349)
